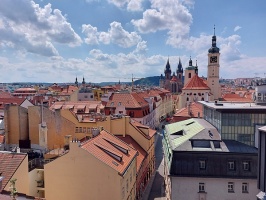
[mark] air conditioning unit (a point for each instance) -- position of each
(259, 94)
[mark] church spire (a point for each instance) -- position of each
(76, 82)
(196, 67)
(214, 48)
(83, 81)
(190, 62)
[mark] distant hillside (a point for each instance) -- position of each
(149, 81)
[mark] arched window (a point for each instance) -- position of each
(187, 99)
(202, 99)
(189, 75)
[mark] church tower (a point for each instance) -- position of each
(179, 74)
(189, 72)
(167, 72)
(213, 69)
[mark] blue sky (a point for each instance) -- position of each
(109, 40)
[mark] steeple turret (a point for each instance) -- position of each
(179, 67)
(167, 70)
(196, 68)
(214, 48)
(76, 82)
(83, 81)
(190, 62)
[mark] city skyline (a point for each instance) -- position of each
(109, 40)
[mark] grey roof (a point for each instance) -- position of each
(200, 135)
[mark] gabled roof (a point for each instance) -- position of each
(111, 150)
(146, 131)
(9, 163)
(141, 152)
(191, 110)
(129, 100)
(12, 100)
(196, 83)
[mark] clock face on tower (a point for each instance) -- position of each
(213, 59)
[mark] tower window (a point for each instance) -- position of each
(189, 75)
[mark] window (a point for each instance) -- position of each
(231, 165)
(84, 129)
(246, 166)
(77, 129)
(230, 187)
(244, 187)
(189, 75)
(201, 187)
(202, 164)
(80, 129)
(127, 185)
(88, 130)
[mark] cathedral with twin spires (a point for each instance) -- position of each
(190, 86)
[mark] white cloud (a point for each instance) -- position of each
(116, 35)
(131, 5)
(237, 28)
(170, 15)
(27, 26)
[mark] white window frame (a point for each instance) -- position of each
(201, 187)
(244, 187)
(202, 164)
(231, 187)
(246, 166)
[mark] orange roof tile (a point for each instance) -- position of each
(6, 95)
(141, 152)
(129, 100)
(194, 108)
(236, 97)
(12, 100)
(196, 83)
(139, 127)
(9, 165)
(110, 150)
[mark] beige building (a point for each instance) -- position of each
(101, 168)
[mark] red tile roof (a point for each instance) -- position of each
(6, 95)
(140, 127)
(9, 165)
(141, 152)
(129, 100)
(190, 111)
(110, 150)
(237, 98)
(12, 100)
(196, 83)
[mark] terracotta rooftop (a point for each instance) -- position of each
(12, 100)
(146, 131)
(9, 164)
(194, 108)
(129, 100)
(141, 152)
(237, 98)
(25, 89)
(78, 106)
(111, 150)
(196, 83)
(6, 95)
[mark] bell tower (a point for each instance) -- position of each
(213, 69)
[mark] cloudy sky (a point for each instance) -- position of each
(109, 40)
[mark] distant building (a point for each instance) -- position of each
(238, 121)
(172, 82)
(200, 165)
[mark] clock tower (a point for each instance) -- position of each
(213, 69)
